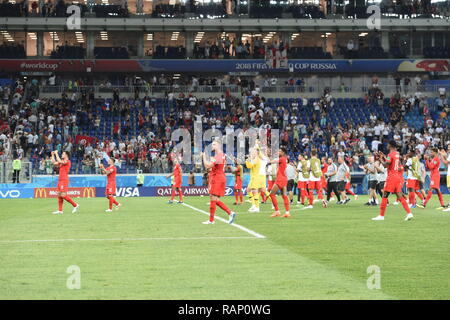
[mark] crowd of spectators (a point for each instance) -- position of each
(111, 53)
(162, 52)
(193, 9)
(277, 9)
(414, 8)
(68, 52)
(227, 47)
(140, 135)
(12, 50)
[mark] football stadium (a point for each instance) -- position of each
(224, 150)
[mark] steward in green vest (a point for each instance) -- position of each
(140, 178)
(17, 166)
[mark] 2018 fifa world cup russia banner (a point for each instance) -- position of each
(225, 65)
(72, 192)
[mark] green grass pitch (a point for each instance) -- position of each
(152, 250)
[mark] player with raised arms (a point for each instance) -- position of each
(280, 184)
(238, 172)
(217, 182)
(63, 180)
(394, 180)
(433, 165)
(110, 191)
(176, 185)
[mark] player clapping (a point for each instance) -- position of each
(176, 186)
(394, 180)
(217, 183)
(110, 191)
(63, 180)
(432, 164)
(280, 184)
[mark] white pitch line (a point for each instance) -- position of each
(253, 233)
(123, 239)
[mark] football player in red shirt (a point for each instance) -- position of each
(435, 184)
(280, 184)
(217, 182)
(63, 180)
(110, 191)
(177, 176)
(237, 171)
(394, 180)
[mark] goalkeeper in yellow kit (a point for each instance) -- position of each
(257, 164)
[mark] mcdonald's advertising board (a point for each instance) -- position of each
(72, 192)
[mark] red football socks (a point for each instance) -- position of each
(286, 202)
(274, 201)
(212, 210)
(383, 206)
(311, 197)
(60, 203)
(69, 200)
(439, 193)
(405, 205)
(263, 196)
(412, 197)
(223, 206)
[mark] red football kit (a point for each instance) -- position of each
(63, 179)
(111, 180)
(394, 176)
(435, 176)
(217, 175)
(323, 180)
(63, 185)
(217, 184)
(281, 182)
(238, 178)
(281, 179)
(394, 181)
(177, 176)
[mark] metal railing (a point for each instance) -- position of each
(7, 172)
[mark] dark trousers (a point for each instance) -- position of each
(16, 174)
(332, 187)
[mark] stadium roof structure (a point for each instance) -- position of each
(248, 25)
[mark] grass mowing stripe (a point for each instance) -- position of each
(316, 254)
(253, 233)
(124, 239)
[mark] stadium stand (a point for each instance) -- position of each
(8, 51)
(137, 130)
(162, 52)
(111, 53)
(68, 52)
(437, 52)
